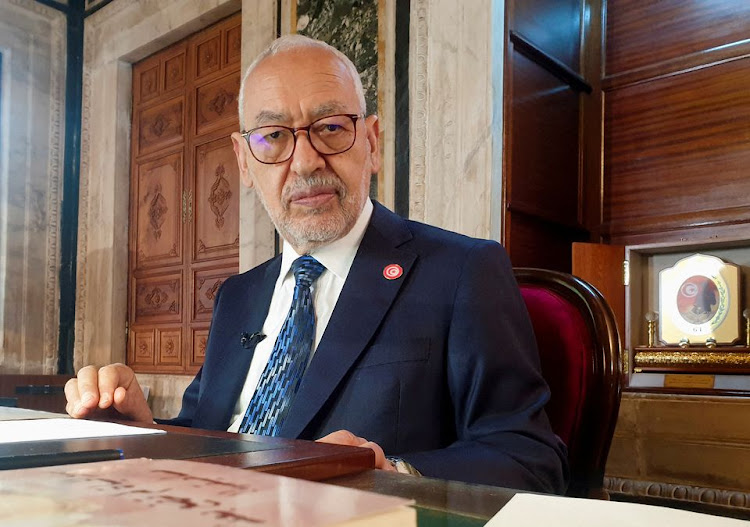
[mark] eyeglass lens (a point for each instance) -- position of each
(329, 135)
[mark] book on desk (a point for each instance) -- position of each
(139, 492)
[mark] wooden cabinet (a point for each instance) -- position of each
(628, 277)
(184, 196)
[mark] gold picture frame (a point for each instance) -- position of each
(699, 302)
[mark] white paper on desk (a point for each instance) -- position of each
(47, 429)
(532, 510)
(11, 413)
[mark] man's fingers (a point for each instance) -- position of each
(342, 437)
(71, 393)
(88, 388)
(73, 405)
(345, 437)
(108, 392)
(121, 394)
(111, 378)
(127, 395)
(380, 461)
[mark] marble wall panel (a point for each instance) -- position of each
(32, 41)
(455, 76)
(352, 28)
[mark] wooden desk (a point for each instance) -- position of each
(286, 457)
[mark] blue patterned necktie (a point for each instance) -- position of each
(282, 375)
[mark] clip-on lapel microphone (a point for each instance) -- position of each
(249, 340)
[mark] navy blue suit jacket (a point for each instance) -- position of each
(438, 366)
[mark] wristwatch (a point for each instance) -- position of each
(402, 466)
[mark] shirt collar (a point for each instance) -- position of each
(337, 256)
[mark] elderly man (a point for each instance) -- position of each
(369, 329)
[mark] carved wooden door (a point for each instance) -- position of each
(184, 196)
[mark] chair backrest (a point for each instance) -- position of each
(579, 348)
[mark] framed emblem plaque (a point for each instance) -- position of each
(699, 302)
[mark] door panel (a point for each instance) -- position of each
(602, 266)
(217, 197)
(206, 283)
(174, 70)
(141, 348)
(208, 56)
(161, 125)
(158, 299)
(170, 347)
(217, 104)
(159, 211)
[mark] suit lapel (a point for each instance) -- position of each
(368, 295)
(229, 370)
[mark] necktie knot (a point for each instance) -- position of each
(306, 270)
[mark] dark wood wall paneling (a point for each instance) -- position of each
(553, 25)
(544, 145)
(676, 120)
(545, 134)
(653, 36)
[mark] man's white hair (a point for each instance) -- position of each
(294, 42)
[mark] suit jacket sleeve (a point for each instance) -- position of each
(189, 403)
(495, 385)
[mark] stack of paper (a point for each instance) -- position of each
(54, 429)
(11, 413)
(532, 510)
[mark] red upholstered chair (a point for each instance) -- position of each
(579, 349)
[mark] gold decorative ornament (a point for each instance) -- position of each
(644, 359)
(651, 320)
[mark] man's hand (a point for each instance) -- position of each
(111, 392)
(345, 437)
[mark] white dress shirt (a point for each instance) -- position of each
(337, 257)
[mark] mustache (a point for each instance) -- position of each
(316, 180)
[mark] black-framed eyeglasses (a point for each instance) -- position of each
(334, 134)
